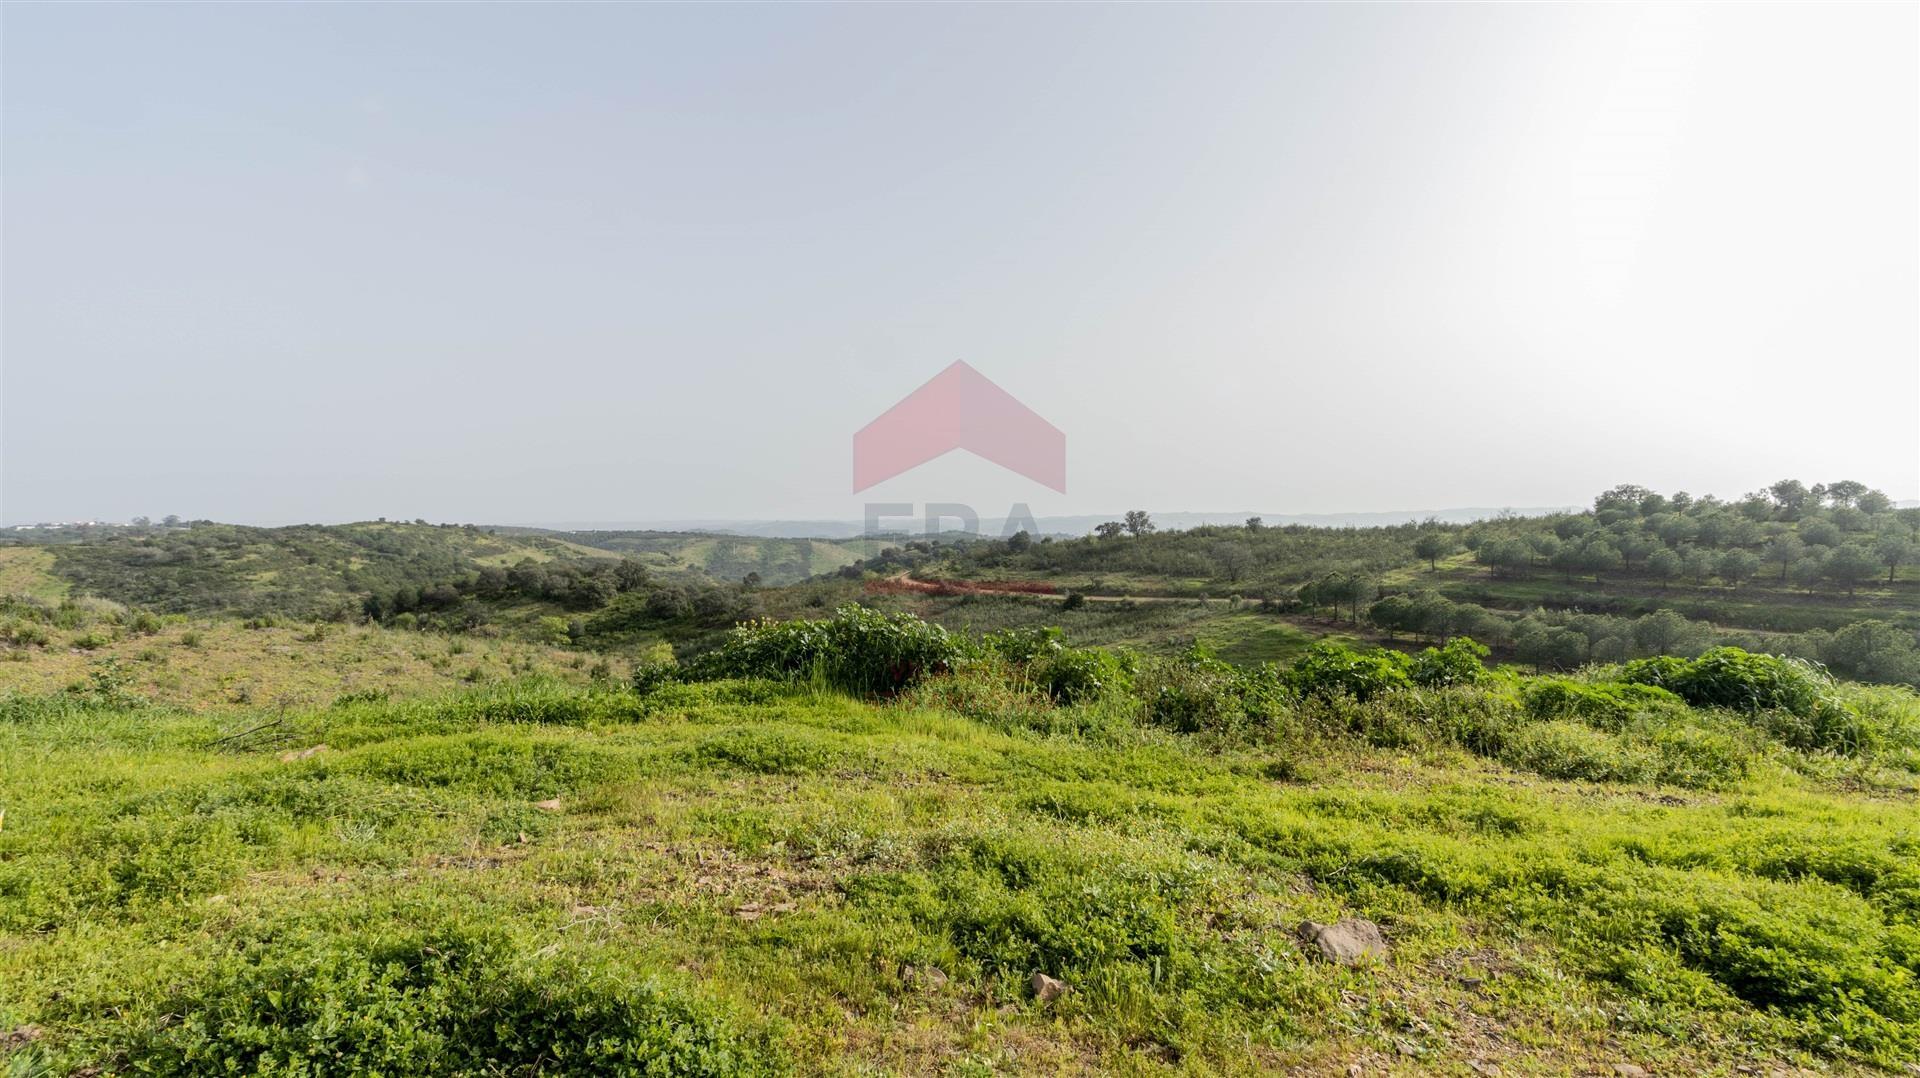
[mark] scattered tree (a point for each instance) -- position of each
(1849, 565)
(1735, 566)
(1845, 492)
(1432, 546)
(1791, 495)
(1893, 550)
(1785, 550)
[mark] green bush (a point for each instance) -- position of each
(444, 999)
(986, 692)
(24, 633)
(91, 640)
(1696, 755)
(1068, 675)
(1607, 705)
(1458, 663)
(1571, 750)
(1329, 669)
(1196, 691)
(857, 650)
(1478, 718)
(1736, 679)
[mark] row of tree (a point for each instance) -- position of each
(1867, 650)
(1846, 565)
(581, 586)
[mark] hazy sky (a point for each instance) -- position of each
(532, 263)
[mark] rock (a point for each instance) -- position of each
(1046, 989)
(301, 754)
(932, 978)
(1481, 1066)
(1629, 1070)
(1348, 942)
(551, 804)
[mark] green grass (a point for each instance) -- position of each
(777, 561)
(29, 571)
(224, 664)
(738, 877)
(1248, 638)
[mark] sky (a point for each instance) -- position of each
(541, 263)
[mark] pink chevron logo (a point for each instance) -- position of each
(960, 409)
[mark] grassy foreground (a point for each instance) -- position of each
(741, 878)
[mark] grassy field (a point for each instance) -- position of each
(222, 663)
(741, 878)
(775, 561)
(28, 571)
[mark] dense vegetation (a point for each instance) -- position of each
(306, 571)
(1829, 572)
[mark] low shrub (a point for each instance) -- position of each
(24, 633)
(857, 650)
(987, 692)
(1570, 750)
(1736, 679)
(1792, 700)
(1606, 705)
(1329, 669)
(1480, 719)
(454, 998)
(1196, 691)
(1068, 675)
(1457, 663)
(91, 640)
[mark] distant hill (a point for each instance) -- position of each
(726, 557)
(315, 570)
(1057, 525)
(304, 570)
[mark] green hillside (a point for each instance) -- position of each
(773, 561)
(1002, 856)
(302, 571)
(1828, 572)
